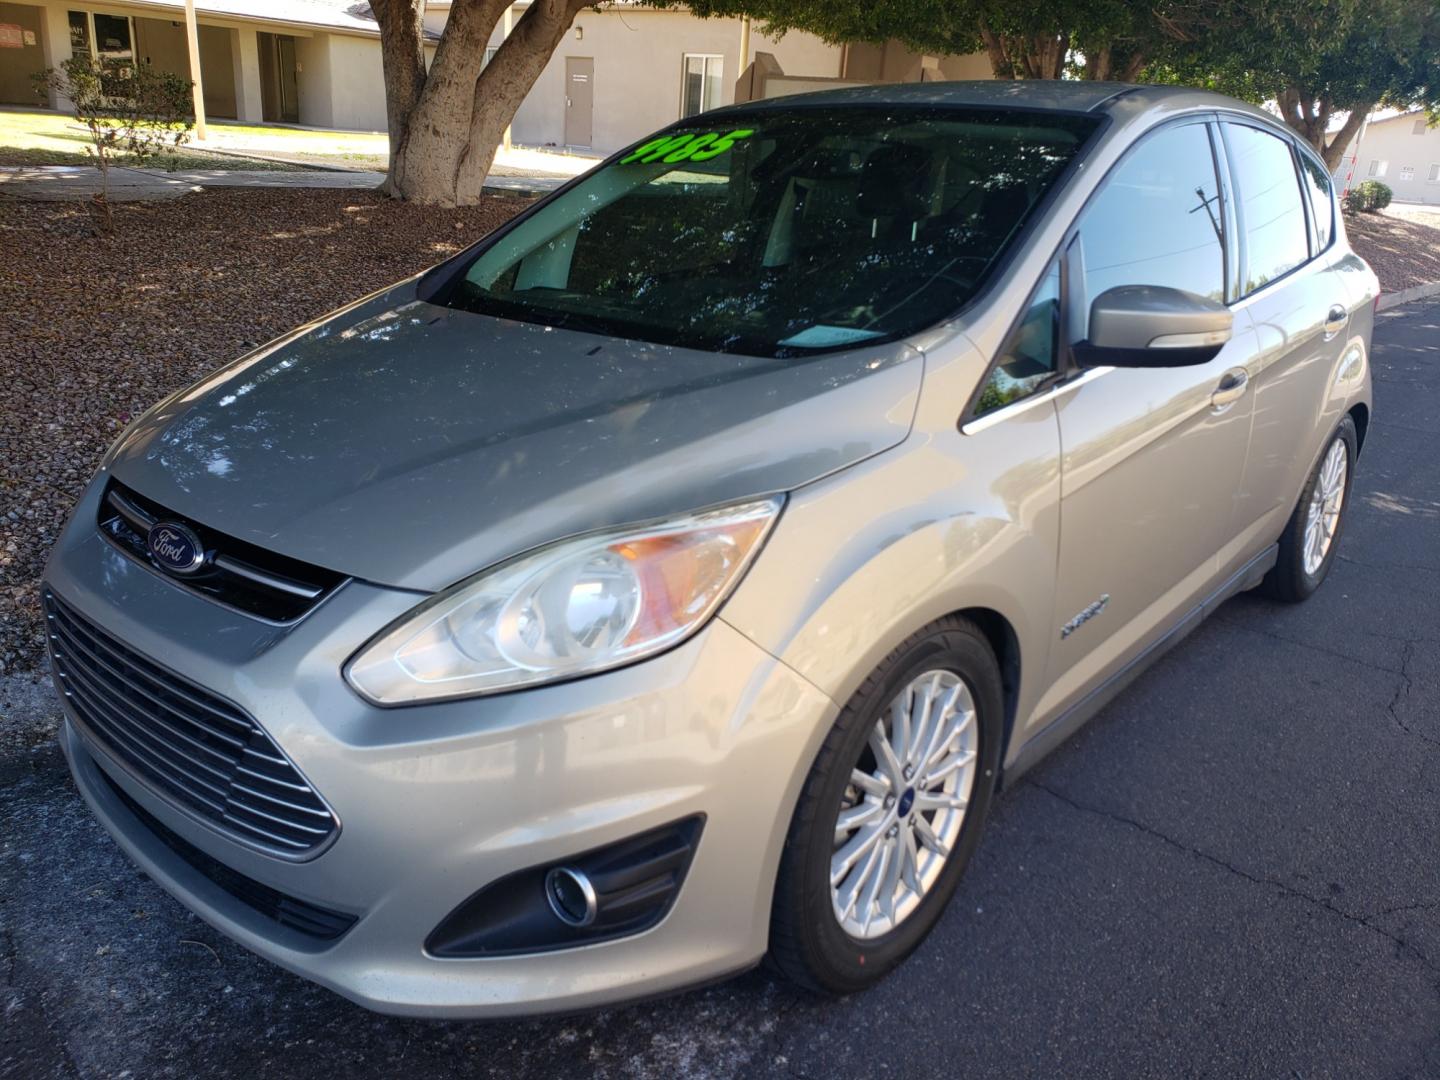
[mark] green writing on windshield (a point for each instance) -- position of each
(692, 146)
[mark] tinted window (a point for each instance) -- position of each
(1158, 220)
(1268, 200)
(1030, 356)
(1320, 202)
(781, 232)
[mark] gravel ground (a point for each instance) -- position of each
(1403, 246)
(93, 331)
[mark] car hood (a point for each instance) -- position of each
(413, 445)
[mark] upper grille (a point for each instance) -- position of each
(236, 573)
(198, 750)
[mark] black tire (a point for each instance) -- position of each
(807, 942)
(1287, 580)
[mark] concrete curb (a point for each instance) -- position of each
(1404, 296)
(272, 159)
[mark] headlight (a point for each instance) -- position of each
(573, 608)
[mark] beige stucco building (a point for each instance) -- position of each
(310, 62)
(1400, 151)
(621, 71)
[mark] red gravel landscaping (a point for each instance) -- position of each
(1402, 246)
(92, 331)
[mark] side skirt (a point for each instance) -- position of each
(1075, 717)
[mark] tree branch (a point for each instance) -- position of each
(1332, 152)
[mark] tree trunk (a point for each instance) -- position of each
(1097, 64)
(1000, 63)
(445, 126)
(1310, 116)
(1333, 153)
(402, 60)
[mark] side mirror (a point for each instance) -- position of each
(1150, 326)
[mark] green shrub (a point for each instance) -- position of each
(1367, 197)
(130, 111)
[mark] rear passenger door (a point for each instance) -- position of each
(1296, 298)
(1151, 458)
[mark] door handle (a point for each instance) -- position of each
(1335, 321)
(1230, 389)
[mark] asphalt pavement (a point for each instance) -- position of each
(1231, 872)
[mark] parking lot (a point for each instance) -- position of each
(1232, 872)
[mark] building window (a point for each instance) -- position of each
(1422, 124)
(1407, 172)
(1377, 168)
(701, 88)
(1434, 176)
(490, 51)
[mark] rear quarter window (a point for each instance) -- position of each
(1268, 201)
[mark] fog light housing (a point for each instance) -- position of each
(610, 892)
(571, 895)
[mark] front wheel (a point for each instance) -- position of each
(891, 811)
(1312, 535)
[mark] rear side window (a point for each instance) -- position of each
(1158, 219)
(1272, 216)
(1320, 202)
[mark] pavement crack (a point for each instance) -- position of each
(1364, 921)
(1402, 694)
(1237, 625)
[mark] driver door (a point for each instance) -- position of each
(1152, 458)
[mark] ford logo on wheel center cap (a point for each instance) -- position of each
(175, 548)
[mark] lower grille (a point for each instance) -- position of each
(199, 751)
(309, 919)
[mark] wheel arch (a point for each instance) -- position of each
(1360, 414)
(1005, 643)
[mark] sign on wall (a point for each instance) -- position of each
(11, 36)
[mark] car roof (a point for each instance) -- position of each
(1061, 95)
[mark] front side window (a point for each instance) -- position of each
(1031, 355)
(1158, 219)
(703, 84)
(1434, 175)
(1268, 200)
(780, 232)
(1320, 202)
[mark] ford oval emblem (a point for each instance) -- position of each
(175, 548)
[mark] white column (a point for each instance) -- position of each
(56, 39)
(245, 53)
(192, 39)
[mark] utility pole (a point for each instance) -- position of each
(197, 90)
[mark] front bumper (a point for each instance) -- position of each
(437, 801)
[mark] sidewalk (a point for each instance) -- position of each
(59, 182)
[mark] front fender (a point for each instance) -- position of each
(942, 523)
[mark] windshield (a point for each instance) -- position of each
(780, 233)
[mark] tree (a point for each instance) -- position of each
(445, 124)
(1319, 59)
(132, 113)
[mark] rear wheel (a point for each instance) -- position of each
(1312, 536)
(891, 811)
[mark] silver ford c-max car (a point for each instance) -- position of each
(674, 576)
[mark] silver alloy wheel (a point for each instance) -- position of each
(1326, 500)
(903, 808)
